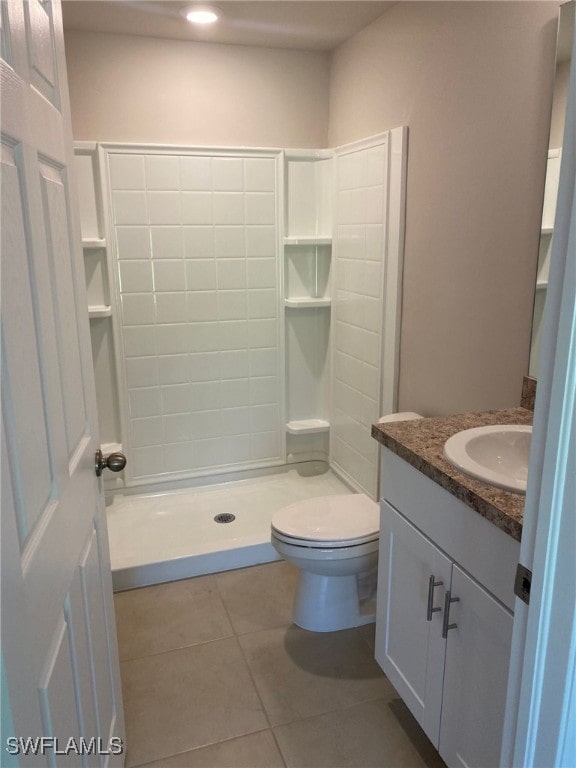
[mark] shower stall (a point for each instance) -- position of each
(244, 310)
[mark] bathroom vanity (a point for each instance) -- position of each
(449, 548)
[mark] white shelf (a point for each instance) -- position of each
(314, 240)
(307, 426)
(99, 310)
(541, 285)
(93, 242)
(304, 302)
(547, 230)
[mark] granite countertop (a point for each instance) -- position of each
(421, 444)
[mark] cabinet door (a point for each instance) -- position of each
(477, 656)
(409, 648)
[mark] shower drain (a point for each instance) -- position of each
(225, 517)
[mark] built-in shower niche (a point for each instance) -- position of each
(99, 294)
(307, 301)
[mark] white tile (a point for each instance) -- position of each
(234, 364)
(261, 273)
(202, 306)
(141, 371)
(127, 172)
(233, 334)
(229, 242)
(179, 457)
(235, 392)
(162, 172)
(263, 362)
(262, 303)
(133, 242)
(196, 208)
(144, 401)
(374, 205)
(231, 273)
(375, 166)
(208, 452)
(171, 307)
(265, 445)
(261, 241)
(201, 275)
(195, 173)
(205, 424)
(372, 279)
(260, 174)
(235, 450)
(146, 461)
(172, 339)
(176, 428)
(173, 369)
(204, 337)
(227, 174)
(146, 431)
(139, 341)
(166, 242)
(261, 333)
(129, 207)
(176, 399)
(236, 421)
(264, 418)
(164, 207)
(137, 309)
(375, 242)
(198, 242)
(260, 208)
(169, 276)
(203, 366)
(263, 390)
(228, 207)
(231, 305)
(204, 396)
(371, 314)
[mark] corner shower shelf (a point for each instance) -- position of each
(99, 310)
(314, 240)
(307, 426)
(94, 242)
(303, 302)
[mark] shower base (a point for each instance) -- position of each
(165, 536)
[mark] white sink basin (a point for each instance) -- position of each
(498, 454)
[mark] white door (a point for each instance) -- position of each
(58, 634)
(477, 658)
(409, 644)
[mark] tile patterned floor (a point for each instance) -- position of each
(215, 675)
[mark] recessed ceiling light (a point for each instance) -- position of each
(201, 14)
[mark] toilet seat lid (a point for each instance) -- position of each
(329, 519)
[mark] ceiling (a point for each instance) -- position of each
(321, 25)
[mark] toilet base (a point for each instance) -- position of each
(329, 603)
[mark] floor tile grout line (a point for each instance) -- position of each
(203, 746)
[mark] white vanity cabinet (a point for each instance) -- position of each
(450, 667)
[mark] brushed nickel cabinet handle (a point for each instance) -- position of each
(431, 584)
(445, 626)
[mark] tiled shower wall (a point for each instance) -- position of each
(357, 309)
(197, 251)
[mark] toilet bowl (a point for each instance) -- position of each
(333, 540)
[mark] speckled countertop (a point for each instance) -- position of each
(421, 444)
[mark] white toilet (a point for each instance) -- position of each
(333, 540)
